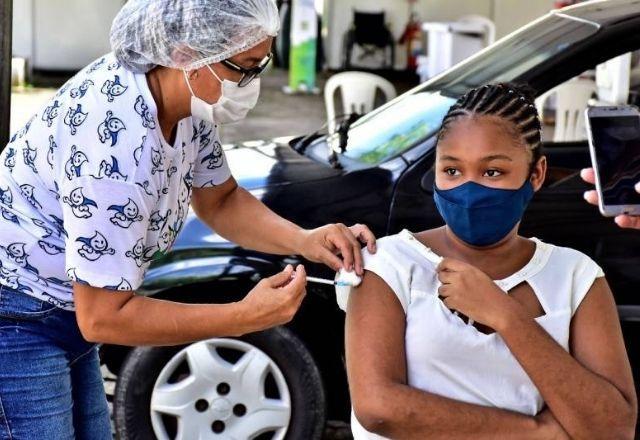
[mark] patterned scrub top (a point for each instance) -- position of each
(91, 192)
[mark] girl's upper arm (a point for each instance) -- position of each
(596, 339)
(375, 330)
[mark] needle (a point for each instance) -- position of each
(330, 282)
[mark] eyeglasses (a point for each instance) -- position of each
(248, 75)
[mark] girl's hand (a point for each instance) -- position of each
(471, 292)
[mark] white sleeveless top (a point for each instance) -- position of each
(448, 357)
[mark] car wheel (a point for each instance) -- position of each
(260, 386)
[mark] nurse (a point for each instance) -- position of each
(97, 185)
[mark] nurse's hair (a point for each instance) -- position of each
(510, 102)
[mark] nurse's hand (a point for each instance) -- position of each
(624, 221)
(322, 245)
(471, 292)
(275, 300)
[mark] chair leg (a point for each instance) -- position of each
(348, 49)
(393, 55)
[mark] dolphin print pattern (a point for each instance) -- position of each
(91, 192)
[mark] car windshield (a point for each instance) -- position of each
(411, 120)
(416, 115)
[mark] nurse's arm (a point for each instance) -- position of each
(383, 402)
(124, 318)
(238, 216)
(590, 390)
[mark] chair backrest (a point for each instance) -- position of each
(488, 24)
(572, 98)
(613, 80)
(358, 92)
(369, 28)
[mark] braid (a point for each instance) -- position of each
(510, 102)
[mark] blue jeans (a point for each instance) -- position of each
(50, 381)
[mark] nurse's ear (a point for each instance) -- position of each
(193, 74)
(183, 55)
(539, 173)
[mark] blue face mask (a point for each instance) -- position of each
(480, 215)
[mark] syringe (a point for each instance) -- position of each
(330, 282)
(343, 279)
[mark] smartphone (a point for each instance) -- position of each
(614, 143)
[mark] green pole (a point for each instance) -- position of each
(302, 57)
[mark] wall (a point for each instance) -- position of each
(22, 38)
(339, 16)
(508, 15)
(447, 10)
(62, 34)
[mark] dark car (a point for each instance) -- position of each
(289, 381)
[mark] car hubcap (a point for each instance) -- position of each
(220, 388)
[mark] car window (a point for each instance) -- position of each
(613, 82)
(562, 108)
(413, 119)
(516, 54)
(416, 115)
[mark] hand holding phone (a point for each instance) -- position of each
(614, 142)
(591, 196)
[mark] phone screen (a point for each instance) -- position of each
(616, 141)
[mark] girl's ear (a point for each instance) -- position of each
(539, 173)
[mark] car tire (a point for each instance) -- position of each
(145, 367)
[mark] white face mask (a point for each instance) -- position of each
(233, 105)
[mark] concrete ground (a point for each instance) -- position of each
(25, 101)
(276, 114)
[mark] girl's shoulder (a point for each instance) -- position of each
(565, 257)
(402, 253)
(400, 261)
(566, 276)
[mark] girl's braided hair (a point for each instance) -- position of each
(510, 102)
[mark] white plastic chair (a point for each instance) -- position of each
(572, 98)
(358, 92)
(612, 80)
(634, 75)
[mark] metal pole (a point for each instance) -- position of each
(6, 18)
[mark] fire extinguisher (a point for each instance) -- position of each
(559, 4)
(412, 37)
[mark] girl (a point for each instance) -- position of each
(507, 336)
